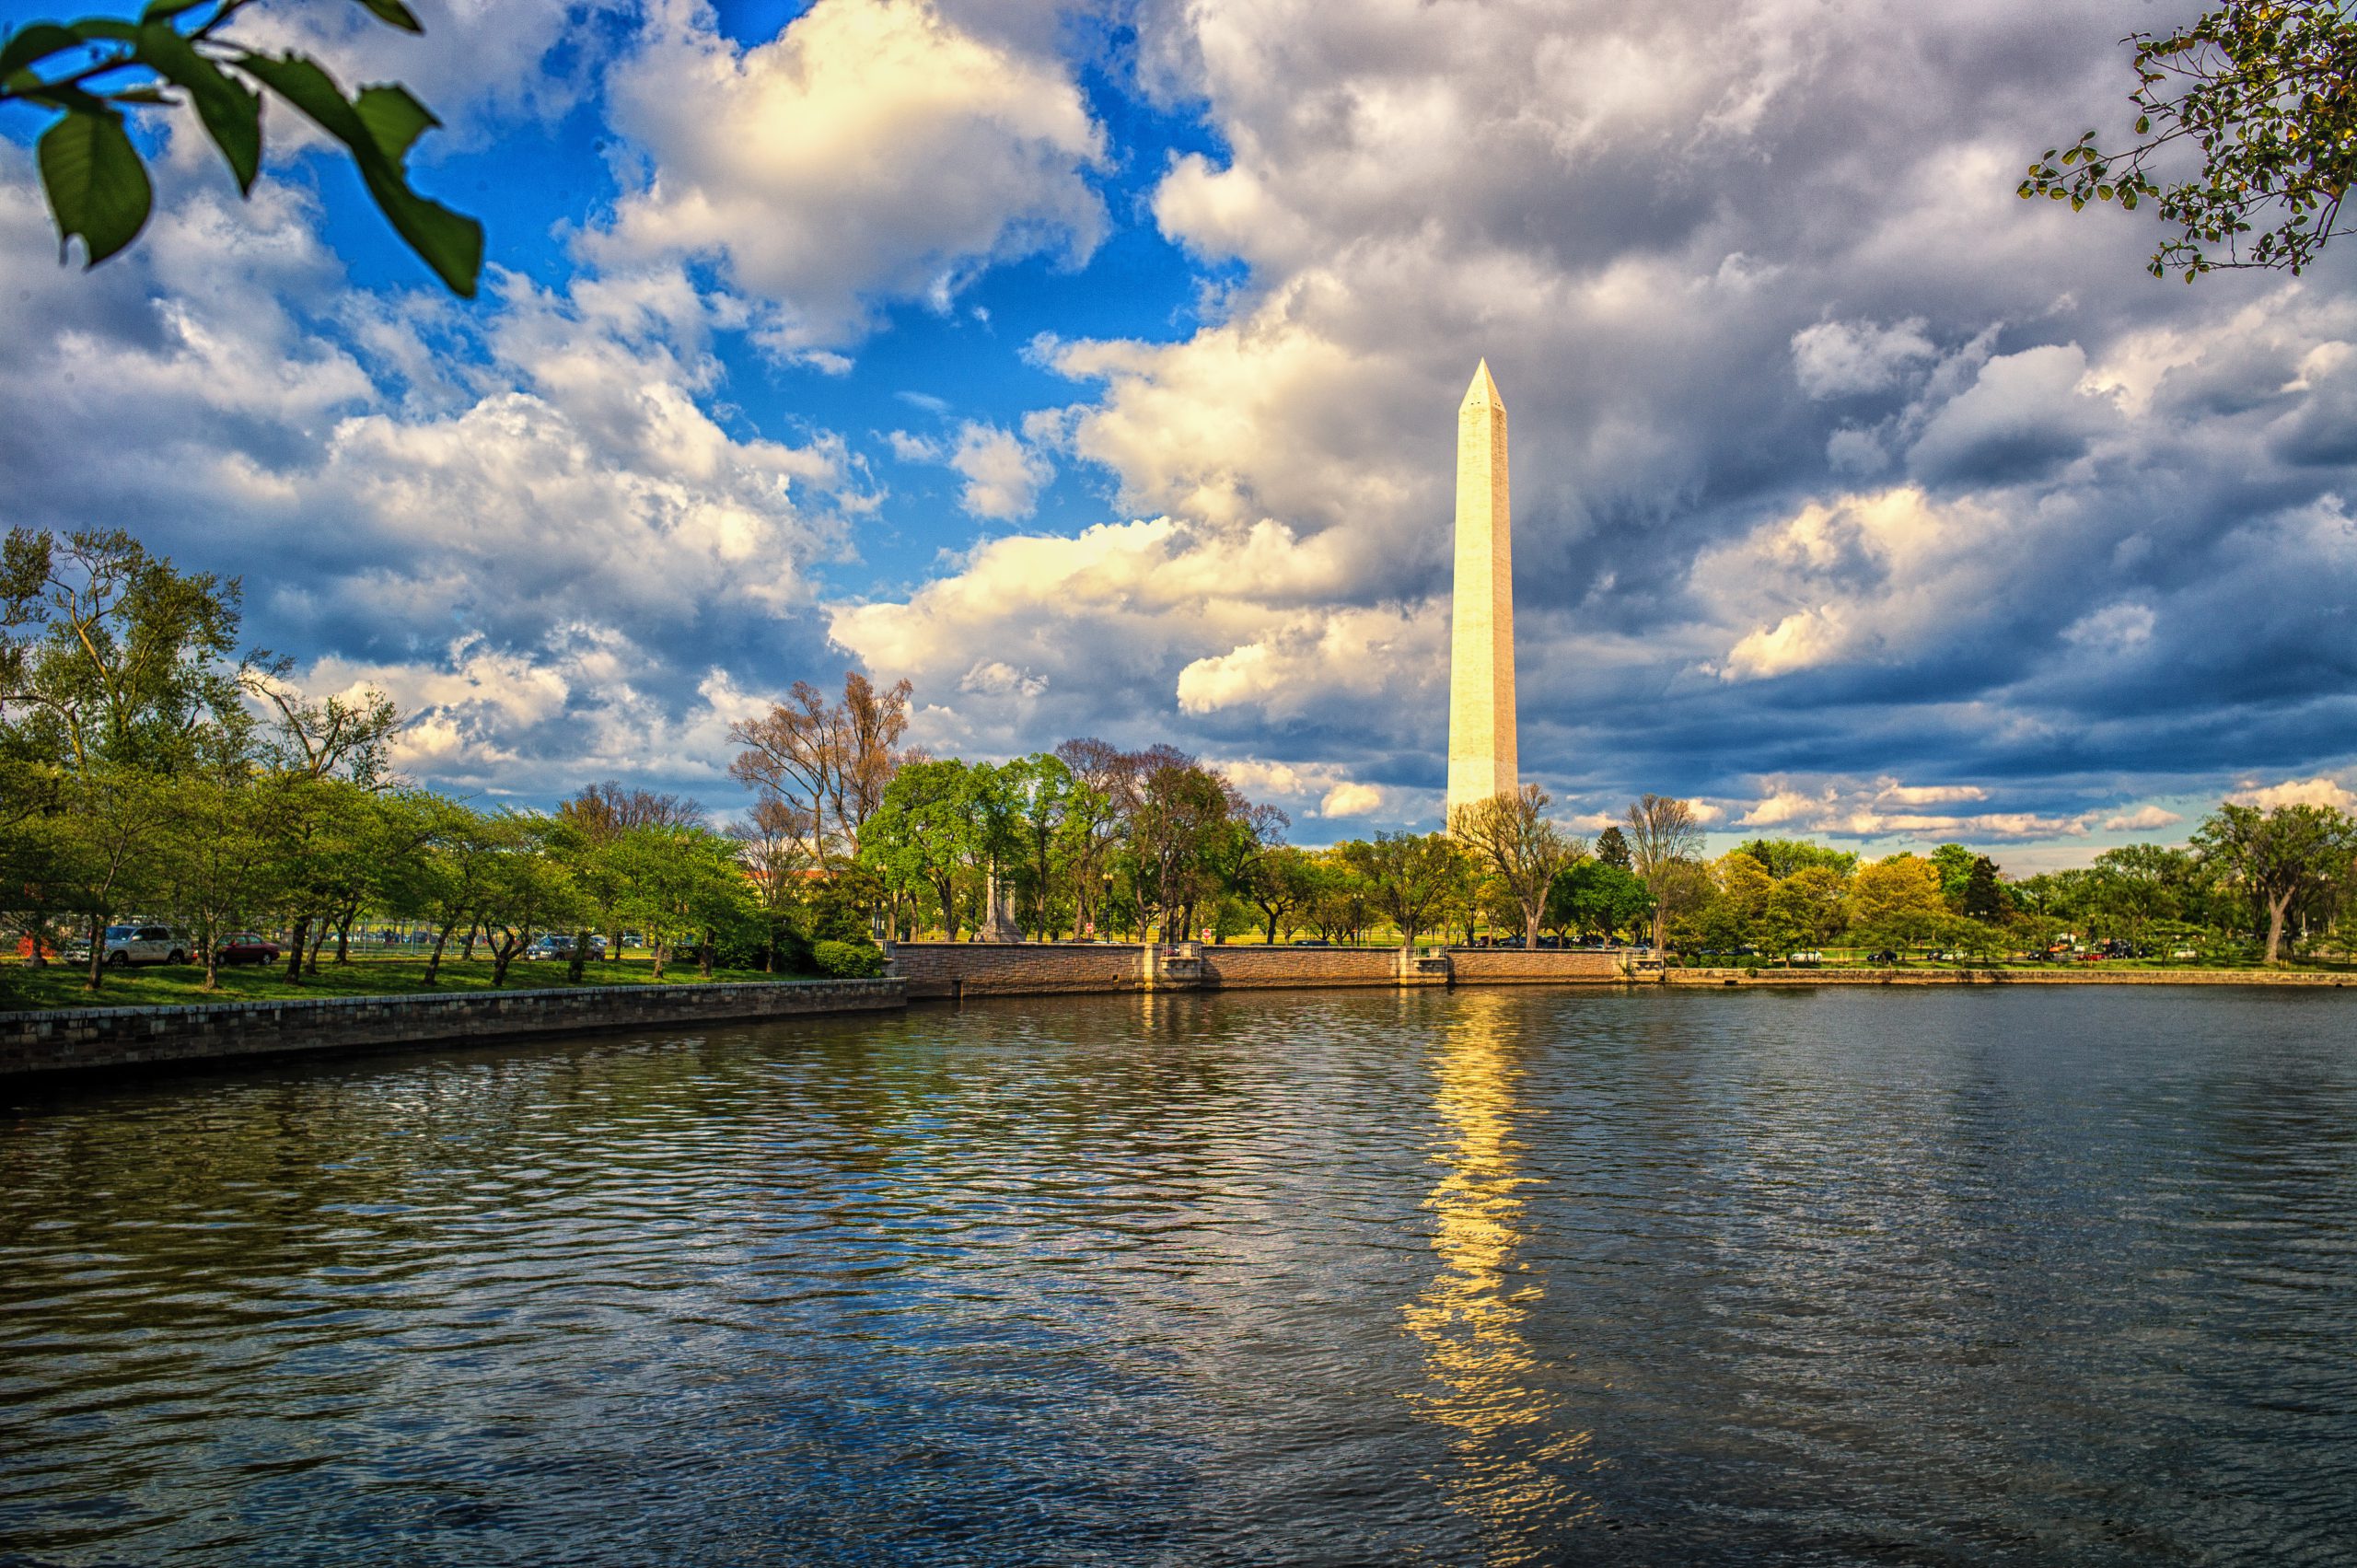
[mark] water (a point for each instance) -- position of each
(1875, 1277)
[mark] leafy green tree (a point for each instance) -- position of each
(222, 861)
(1048, 816)
(1953, 863)
(108, 655)
(1409, 877)
(2260, 97)
(1984, 895)
(1780, 857)
(462, 850)
(927, 832)
(528, 888)
(1805, 910)
(686, 885)
(1898, 900)
(1612, 848)
(2279, 856)
(95, 73)
(106, 836)
(1598, 898)
(1282, 884)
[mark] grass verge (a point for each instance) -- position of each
(24, 986)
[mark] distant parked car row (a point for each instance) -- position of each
(128, 944)
(556, 946)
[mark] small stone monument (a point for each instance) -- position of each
(998, 911)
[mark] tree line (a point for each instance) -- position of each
(149, 767)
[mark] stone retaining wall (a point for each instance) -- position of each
(1018, 969)
(80, 1039)
(1241, 967)
(2006, 977)
(1536, 966)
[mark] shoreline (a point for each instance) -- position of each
(57, 1042)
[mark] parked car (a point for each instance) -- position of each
(556, 945)
(2185, 953)
(1884, 957)
(146, 945)
(1808, 960)
(1313, 942)
(245, 948)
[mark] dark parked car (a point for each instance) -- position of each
(245, 948)
(1884, 957)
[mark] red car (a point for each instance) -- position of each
(245, 948)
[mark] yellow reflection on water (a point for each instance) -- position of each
(1513, 1445)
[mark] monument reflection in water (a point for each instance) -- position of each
(1518, 1448)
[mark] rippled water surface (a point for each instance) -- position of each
(1503, 1276)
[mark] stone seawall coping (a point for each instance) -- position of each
(1756, 978)
(93, 1039)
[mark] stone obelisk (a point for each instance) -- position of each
(1481, 760)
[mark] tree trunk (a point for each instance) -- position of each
(311, 964)
(503, 953)
(2276, 910)
(662, 950)
(294, 975)
(97, 952)
(344, 936)
(433, 963)
(710, 939)
(467, 949)
(577, 960)
(1530, 919)
(212, 964)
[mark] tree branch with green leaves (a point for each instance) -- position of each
(97, 71)
(2262, 94)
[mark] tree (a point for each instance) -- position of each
(1280, 884)
(1409, 875)
(929, 830)
(1612, 848)
(2262, 96)
(830, 761)
(1953, 863)
(94, 72)
(526, 890)
(595, 819)
(685, 886)
(1780, 857)
(2279, 856)
(1984, 895)
(1180, 805)
(1898, 900)
(108, 655)
(1662, 833)
(1047, 816)
(1599, 897)
(1804, 908)
(222, 859)
(773, 843)
(1511, 836)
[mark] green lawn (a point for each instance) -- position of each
(54, 985)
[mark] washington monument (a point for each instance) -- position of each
(1480, 660)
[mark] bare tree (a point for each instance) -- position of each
(773, 844)
(1521, 848)
(1662, 833)
(602, 811)
(830, 761)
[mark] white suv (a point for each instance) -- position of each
(147, 945)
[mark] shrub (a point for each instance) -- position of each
(848, 960)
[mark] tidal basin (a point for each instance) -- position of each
(1472, 1277)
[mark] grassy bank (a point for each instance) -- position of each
(54, 985)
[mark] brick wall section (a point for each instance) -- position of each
(1724, 978)
(81, 1038)
(1540, 966)
(1233, 968)
(1019, 969)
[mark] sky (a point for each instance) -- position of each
(1095, 367)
